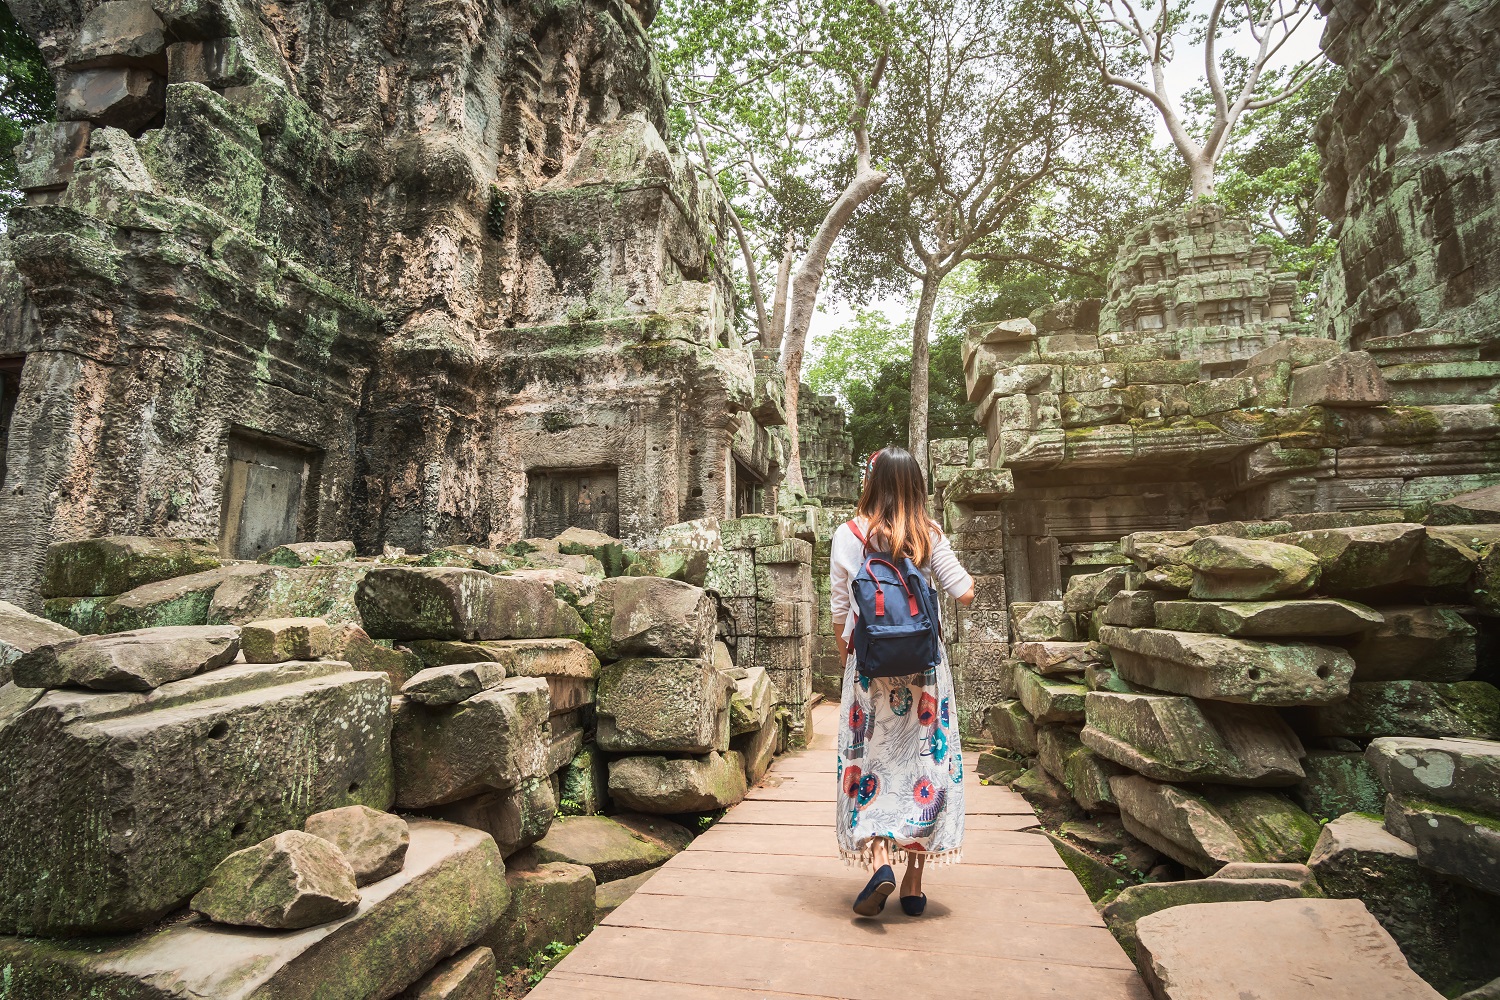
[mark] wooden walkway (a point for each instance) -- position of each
(759, 907)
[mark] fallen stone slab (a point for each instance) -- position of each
(552, 901)
(516, 817)
(1090, 590)
(21, 632)
(1283, 619)
(353, 645)
(1475, 507)
(613, 847)
(180, 600)
(252, 592)
(1445, 929)
(1048, 699)
(1422, 643)
(406, 602)
(1082, 772)
(452, 891)
(610, 895)
(453, 682)
(252, 731)
(1450, 840)
(1285, 871)
(114, 564)
(1123, 913)
(1349, 379)
(1467, 709)
(649, 616)
(1337, 782)
(468, 976)
(1133, 609)
(307, 554)
(1361, 557)
(1175, 738)
(492, 740)
(1208, 828)
(287, 882)
(1043, 621)
(279, 640)
(1012, 727)
(520, 657)
(672, 785)
(1324, 949)
(1458, 772)
(474, 557)
(663, 705)
(751, 704)
(757, 749)
(128, 661)
(373, 842)
(1245, 569)
(1051, 658)
(1226, 669)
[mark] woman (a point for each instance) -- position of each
(900, 770)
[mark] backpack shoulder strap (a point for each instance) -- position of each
(854, 527)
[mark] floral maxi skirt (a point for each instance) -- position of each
(900, 767)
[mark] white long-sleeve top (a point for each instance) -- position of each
(847, 556)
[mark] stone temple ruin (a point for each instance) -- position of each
(389, 514)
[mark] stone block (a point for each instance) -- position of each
(407, 602)
(792, 550)
(784, 582)
(1337, 782)
(1421, 643)
(493, 740)
(251, 592)
(1464, 773)
(279, 640)
(1050, 658)
(1361, 557)
(47, 153)
(1043, 621)
(519, 657)
(663, 705)
(609, 896)
(1468, 709)
(253, 731)
(1444, 928)
(649, 616)
(1325, 949)
(1244, 569)
(670, 785)
(1208, 828)
(1012, 727)
(552, 901)
(114, 564)
(1082, 772)
(308, 554)
(1172, 738)
(1132, 609)
(754, 531)
(373, 842)
(784, 619)
(516, 817)
(1136, 901)
(1225, 669)
(119, 33)
(1288, 618)
(1090, 590)
(21, 632)
(452, 683)
(127, 98)
(1049, 699)
(1299, 352)
(751, 703)
(466, 976)
(451, 892)
(489, 560)
(287, 882)
(613, 847)
(731, 573)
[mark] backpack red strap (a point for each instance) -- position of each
(911, 599)
(858, 534)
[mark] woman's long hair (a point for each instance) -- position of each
(894, 504)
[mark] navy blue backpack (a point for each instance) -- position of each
(896, 629)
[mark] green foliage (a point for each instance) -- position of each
(27, 97)
(545, 960)
(879, 396)
(854, 354)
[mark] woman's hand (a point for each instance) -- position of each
(843, 646)
(967, 598)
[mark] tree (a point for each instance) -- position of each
(27, 97)
(778, 94)
(991, 114)
(1132, 41)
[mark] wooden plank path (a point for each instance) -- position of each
(759, 907)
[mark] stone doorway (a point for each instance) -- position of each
(559, 499)
(747, 491)
(10, 389)
(270, 490)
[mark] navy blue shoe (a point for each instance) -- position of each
(914, 905)
(872, 899)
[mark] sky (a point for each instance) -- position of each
(1183, 73)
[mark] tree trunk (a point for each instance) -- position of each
(1201, 167)
(778, 304)
(804, 295)
(917, 435)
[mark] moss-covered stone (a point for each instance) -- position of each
(1137, 901)
(613, 847)
(116, 563)
(1413, 708)
(1337, 783)
(673, 785)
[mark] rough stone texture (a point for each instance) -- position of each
(114, 564)
(1315, 617)
(1362, 557)
(307, 553)
(452, 683)
(282, 639)
(670, 785)
(1413, 708)
(1209, 828)
(1082, 772)
(648, 616)
(1238, 569)
(757, 749)
(750, 706)
(1238, 670)
(21, 632)
(1043, 621)
(129, 661)
(75, 761)
(1061, 657)
(1171, 738)
(1012, 727)
(1048, 699)
(291, 881)
(451, 892)
(1459, 772)
(1132, 608)
(1338, 782)
(516, 817)
(520, 657)
(613, 847)
(1351, 379)
(493, 740)
(1416, 643)
(400, 602)
(374, 843)
(610, 895)
(1137, 901)
(1325, 949)
(663, 705)
(1444, 928)
(553, 901)
(469, 976)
